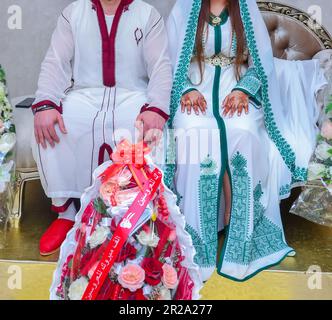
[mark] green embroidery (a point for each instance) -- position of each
(284, 148)
(267, 237)
(179, 83)
(240, 208)
(185, 58)
(206, 245)
(244, 247)
(284, 190)
(251, 85)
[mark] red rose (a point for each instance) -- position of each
(153, 271)
(126, 294)
(127, 252)
(139, 295)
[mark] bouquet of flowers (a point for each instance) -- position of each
(7, 144)
(315, 202)
(129, 241)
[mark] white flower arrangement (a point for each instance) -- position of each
(99, 236)
(77, 288)
(148, 239)
(7, 145)
(314, 203)
(320, 167)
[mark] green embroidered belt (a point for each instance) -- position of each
(219, 60)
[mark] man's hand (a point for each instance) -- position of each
(236, 101)
(193, 100)
(44, 125)
(150, 125)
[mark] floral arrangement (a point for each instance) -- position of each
(155, 261)
(7, 134)
(320, 167)
(315, 202)
(7, 144)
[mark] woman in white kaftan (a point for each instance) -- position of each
(264, 152)
(99, 72)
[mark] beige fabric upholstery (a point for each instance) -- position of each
(291, 40)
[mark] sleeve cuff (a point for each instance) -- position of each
(250, 85)
(48, 103)
(147, 107)
(189, 90)
(253, 98)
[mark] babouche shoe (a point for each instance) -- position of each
(52, 239)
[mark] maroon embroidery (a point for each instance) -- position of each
(108, 40)
(147, 107)
(105, 147)
(138, 35)
(62, 208)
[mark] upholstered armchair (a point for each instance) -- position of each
(294, 37)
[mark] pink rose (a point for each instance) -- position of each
(326, 131)
(170, 276)
(132, 277)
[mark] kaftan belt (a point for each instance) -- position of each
(219, 60)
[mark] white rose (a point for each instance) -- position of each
(77, 289)
(7, 142)
(322, 151)
(99, 236)
(165, 294)
(148, 239)
(315, 171)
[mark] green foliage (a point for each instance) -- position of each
(100, 206)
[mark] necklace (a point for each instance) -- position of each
(219, 20)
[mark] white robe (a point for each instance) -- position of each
(96, 115)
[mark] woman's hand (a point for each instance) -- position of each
(193, 100)
(237, 101)
(44, 125)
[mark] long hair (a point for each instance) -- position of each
(237, 27)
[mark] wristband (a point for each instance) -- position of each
(42, 108)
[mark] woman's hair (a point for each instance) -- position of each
(237, 26)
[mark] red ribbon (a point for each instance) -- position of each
(121, 234)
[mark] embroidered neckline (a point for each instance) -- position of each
(219, 20)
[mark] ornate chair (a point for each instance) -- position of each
(294, 35)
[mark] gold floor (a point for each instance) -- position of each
(37, 277)
(288, 280)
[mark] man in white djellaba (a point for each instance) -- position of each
(106, 70)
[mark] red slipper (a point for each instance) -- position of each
(52, 239)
